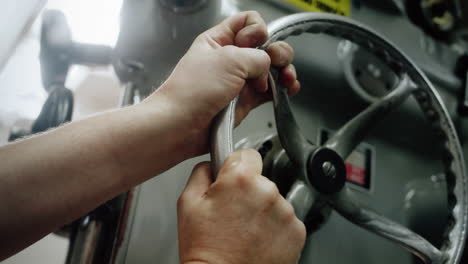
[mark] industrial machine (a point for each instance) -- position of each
(380, 123)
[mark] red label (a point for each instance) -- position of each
(355, 174)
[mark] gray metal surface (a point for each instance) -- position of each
(301, 198)
(345, 204)
(353, 132)
(345, 140)
(367, 74)
(155, 34)
(291, 137)
(435, 111)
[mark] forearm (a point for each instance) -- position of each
(50, 179)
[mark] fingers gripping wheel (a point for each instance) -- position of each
(325, 162)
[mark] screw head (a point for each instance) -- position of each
(326, 171)
(329, 169)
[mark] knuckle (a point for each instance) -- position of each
(232, 159)
(242, 177)
(299, 231)
(230, 162)
(228, 52)
(198, 167)
(253, 153)
(292, 68)
(270, 191)
(263, 61)
(282, 53)
(200, 38)
(272, 50)
(296, 232)
(238, 174)
(182, 201)
(289, 213)
(252, 13)
(229, 56)
(266, 61)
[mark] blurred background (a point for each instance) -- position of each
(95, 88)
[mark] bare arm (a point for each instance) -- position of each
(51, 179)
(55, 177)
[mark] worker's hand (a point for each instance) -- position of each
(240, 218)
(221, 64)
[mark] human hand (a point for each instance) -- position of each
(221, 64)
(240, 218)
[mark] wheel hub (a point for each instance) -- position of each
(326, 171)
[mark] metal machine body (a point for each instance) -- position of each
(406, 182)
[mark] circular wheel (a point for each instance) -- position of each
(321, 171)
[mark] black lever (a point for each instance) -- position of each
(58, 52)
(57, 109)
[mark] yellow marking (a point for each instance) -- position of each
(339, 7)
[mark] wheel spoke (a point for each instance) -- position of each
(289, 133)
(301, 197)
(368, 219)
(352, 133)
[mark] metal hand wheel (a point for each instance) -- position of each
(321, 170)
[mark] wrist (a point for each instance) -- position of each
(164, 112)
(145, 139)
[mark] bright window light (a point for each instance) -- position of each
(91, 21)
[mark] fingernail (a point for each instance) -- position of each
(264, 83)
(282, 56)
(292, 68)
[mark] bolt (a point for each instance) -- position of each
(328, 169)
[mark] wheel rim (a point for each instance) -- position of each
(412, 82)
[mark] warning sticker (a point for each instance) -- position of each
(355, 174)
(339, 7)
(356, 168)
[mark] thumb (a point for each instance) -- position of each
(243, 161)
(200, 180)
